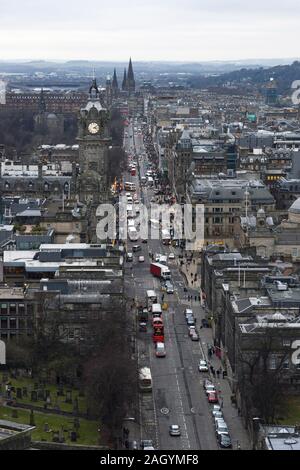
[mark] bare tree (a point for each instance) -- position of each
(261, 386)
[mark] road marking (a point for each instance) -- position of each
(185, 436)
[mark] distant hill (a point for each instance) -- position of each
(283, 74)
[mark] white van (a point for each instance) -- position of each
(160, 350)
(156, 310)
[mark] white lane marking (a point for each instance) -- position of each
(185, 437)
(153, 400)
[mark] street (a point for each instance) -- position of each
(178, 396)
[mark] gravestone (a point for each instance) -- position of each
(19, 393)
(32, 421)
(48, 400)
(68, 396)
(25, 392)
(46, 427)
(75, 405)
(34, 396)
(76, 423)
(61, 438)
(55, 436)
(73, 436)
(40, 394)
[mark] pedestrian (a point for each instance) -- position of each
(224, 374)
(195, 298)
(192, 283)
(198, 298)
(218, 373)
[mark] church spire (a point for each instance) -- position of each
(130, 78)
(115, 81)
(124, 83)
(94, 91)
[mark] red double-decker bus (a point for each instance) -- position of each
(158, 331)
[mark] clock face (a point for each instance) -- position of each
(93, 128)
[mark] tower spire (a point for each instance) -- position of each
(115, 86)
(124, 83)
(130, 78)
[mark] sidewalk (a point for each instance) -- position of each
(190, 269)
(238, 433)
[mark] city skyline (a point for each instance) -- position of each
(201, 31)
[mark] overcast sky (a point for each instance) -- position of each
(184, 30)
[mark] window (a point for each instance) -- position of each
(21, 309)
(272, 362)
(12, 309)
(3, 323)
(12, 323)
(3, 309)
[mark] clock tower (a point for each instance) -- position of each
(94, 141)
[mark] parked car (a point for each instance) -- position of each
(129, 257)
(169, 287)
(203, 366)
(224, 441)
(221, 428)
(147, 444)
(171, 256)
(216, 409)
(191, 320)
(136, 248)
(141, 259)
(192, 330)
(219, 419)
(210, 388)
(143, 326)
(187, 312)
(194, 336)
(133, 445)
(218, 415)
(212, 397)
(174, 430)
